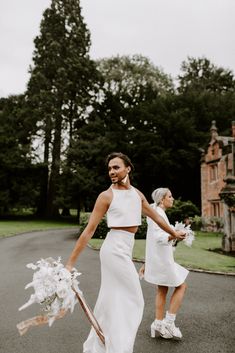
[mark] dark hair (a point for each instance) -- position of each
(121, 155)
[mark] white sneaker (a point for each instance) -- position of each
(158, 329)
(172, 329)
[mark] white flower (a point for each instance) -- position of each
(190, 237)
(53, 287)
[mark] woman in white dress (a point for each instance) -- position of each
(161, 269)
(119, 307)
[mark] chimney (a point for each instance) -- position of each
(233, 129)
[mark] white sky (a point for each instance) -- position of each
(166, 31)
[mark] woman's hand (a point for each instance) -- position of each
(180, 235)
(141, 271)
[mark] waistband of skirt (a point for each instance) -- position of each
(120, 231)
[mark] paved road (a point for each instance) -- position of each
(207, 317)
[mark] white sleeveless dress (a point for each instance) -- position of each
(160, 266)
(120, 303)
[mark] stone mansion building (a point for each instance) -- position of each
(217, 162)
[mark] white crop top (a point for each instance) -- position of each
(125, 209)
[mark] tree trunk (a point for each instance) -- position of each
(78, 211)
(66, 212)
(52, 208)
(42, 205)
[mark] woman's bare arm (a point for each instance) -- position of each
(100, 208)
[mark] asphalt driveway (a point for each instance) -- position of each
(207, 317)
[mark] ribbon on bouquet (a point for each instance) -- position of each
(91, 317)
(23, 326)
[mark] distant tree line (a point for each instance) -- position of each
(54, 138)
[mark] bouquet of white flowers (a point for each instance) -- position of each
(54, 289)
(189, 238)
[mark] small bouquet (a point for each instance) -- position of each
(55, 290)
(189, 238)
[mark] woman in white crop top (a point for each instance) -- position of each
(119, 307)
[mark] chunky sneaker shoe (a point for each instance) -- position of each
(158, 330)
(172, 329)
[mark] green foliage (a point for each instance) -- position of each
(82, 110)
(199, 74)
(60, 88)
(25, 225)
(182, 210)
(142, 229)
(139, 116)
(133, 79)
(18, 172)
(229, 199)
(196, 222)
(102, 228)
(204, 253)
(114, 123)
(212, 224)
(209, 92)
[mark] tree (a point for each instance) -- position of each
(127, 83)
(18, 179)
(205, 93)
(133, 79)
(209, 92)
(61, 86)
(199, 74)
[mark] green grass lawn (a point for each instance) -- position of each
(199, 256)
(12, 227)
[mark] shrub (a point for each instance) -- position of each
(102, 228)
(196, 222)
(142, 230)
(212, 224)
(182, 210)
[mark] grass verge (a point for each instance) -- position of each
(200, 256)
(10, 227)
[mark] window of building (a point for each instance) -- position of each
(215, 209)
(213, 172)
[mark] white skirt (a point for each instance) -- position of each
(120, 303)
(160, 266)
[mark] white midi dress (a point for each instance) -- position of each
(160, 266)
(120, 303)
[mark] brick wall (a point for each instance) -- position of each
(213, 170)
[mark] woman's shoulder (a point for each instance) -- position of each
(157, 208)
(139, 193)
(160, 210)
(106, 195)
(162, 213)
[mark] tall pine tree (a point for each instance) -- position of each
(60, 88)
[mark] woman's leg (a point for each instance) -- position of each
(157, 325)
(160, 302)
(175, 302)
(177, 298)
